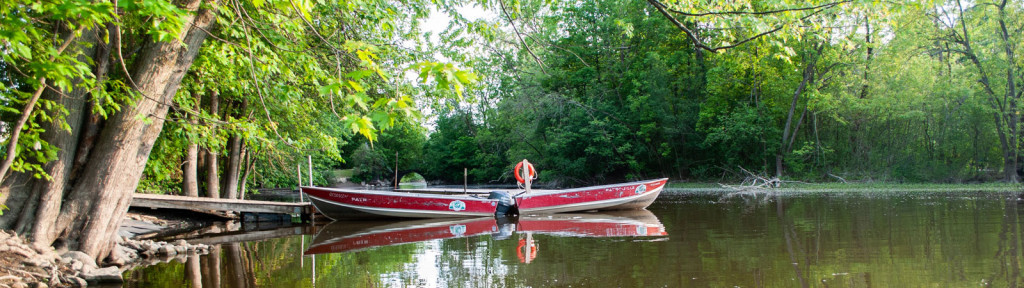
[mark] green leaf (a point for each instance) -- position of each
(355, 86)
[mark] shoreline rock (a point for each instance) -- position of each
(24, 265)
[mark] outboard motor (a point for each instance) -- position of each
(506, 204)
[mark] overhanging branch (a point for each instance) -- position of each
(665, 11)
(822, 6)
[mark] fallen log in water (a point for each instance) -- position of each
(753, 184)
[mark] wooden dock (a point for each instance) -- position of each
(200, 204)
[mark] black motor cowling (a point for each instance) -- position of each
(506, 204)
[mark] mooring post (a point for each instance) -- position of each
(465, 181)
(396, 170)
(527, 179)
(299, 169)
(310, 170)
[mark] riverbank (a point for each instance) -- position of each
(23, 264)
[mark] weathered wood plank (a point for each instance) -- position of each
(206, 204)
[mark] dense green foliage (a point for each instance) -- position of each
(609, 90)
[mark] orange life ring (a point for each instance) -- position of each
(529, 167)
(519, 251)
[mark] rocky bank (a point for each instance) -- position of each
(24, 265)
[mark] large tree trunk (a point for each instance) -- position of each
(92, 212)
(35, 202)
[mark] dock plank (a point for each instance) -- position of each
(206, 204)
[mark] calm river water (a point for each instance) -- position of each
(703, 239)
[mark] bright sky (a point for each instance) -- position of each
(438, 21)
(435, 24)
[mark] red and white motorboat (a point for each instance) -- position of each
(339, 237)
(339, 203)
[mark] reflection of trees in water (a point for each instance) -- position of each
(193, 274)
(227, 265)
(753, 200)
(239, 266)
(1008, 254)
(279, 263)
(789, 232)
(211, 267)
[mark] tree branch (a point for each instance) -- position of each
(664, 10)
(519, 35)
(822, 6)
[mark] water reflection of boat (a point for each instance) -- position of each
(357, 235)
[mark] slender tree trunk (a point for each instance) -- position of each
(234, 167)
(190, 175)
(870, 51)
(92, 211)
(808, 74)
(1011, 96)
(1006, 111)
(212, 180)
(235, 154)
(248, 170)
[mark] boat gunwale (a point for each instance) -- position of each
(397, 193)
(627, 199)
(390, 211)
(591, 188)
